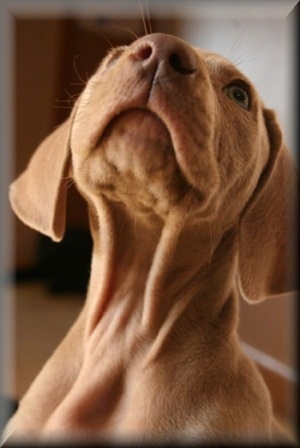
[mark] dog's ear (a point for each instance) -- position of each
(267, 264)
(38, 195)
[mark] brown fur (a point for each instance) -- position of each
(190, 198)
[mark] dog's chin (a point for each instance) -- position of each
(135, 163)
(137, 140)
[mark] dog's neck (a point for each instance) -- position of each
(149, 274)
(161, 300)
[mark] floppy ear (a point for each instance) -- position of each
(38, 196)
(267, 256)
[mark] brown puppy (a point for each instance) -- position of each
(189, 188)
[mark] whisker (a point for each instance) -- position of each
(109, 43)
(250, 60)
(126, 28)
(63, 107)
(63, 101)
(243, 58)
(72, 96)
(79, 83)
(69, 182)
(66, 103)
(235, 46)
(143, 18)
(122, 26)
(83, 82)
(148, 17)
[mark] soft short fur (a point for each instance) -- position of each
(190, 195)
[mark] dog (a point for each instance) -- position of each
(191, 196)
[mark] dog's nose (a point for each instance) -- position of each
(164, 55)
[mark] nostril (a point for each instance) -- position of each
(179, 65)
(164, 55)
(143, 52)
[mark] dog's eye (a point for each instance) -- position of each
(239, 95)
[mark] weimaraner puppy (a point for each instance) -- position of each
(189, 188)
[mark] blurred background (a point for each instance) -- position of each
(48, 52)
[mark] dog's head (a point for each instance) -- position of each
(162, 126)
